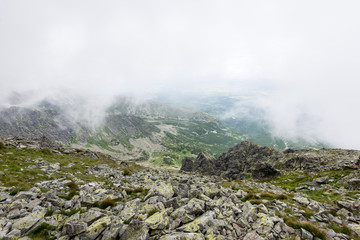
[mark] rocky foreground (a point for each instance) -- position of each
(120, 201)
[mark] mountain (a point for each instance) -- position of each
(128, 128)
(242, 115)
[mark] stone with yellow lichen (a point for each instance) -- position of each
(263, 224)
(159, 220)
(199, 223)
(183, 236)
(91, 215)
(95, 229)
(130, 210)
(113, 230)
(355, 228)
(249, 212)
(25, 223)
(56, 221)
(162, 189)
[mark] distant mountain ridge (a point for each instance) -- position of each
(132, 129)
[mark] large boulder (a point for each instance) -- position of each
(187, 165)
(264, 171)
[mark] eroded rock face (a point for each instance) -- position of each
(264, 171)
(237, 163)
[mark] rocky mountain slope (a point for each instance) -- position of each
(128, 128)
(56, 193)
(247, 158)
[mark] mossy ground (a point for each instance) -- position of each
(15, 163)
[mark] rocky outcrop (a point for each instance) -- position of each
(204, 163)
(264, 171)
(264, 163)
(237, 163)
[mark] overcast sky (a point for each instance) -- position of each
(307, 51)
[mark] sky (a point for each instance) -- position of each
(300, 59)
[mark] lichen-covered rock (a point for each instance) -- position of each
(253, 236)
(162, 189)
(74, 227)
(95, 229)
(199, 223)
(301, 200)
(135, 231)
(264, 171)
(355, 228)
(263, 224)
(159, 220)
(26, 223)
(183, 236)
(113, 231)
(130, 210)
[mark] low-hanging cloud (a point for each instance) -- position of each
(307, 52)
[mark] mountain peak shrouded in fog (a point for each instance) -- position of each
(296, 63)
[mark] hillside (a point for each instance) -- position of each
(130, 129)
(57, 193)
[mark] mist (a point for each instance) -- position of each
(297, 61)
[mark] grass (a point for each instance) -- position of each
(152, 212)
(74, 190)
(107, 203)
(310, 227)
(49, 212)
(272, 196)
(250, 196)
(137, 192)
(42, 232)
(14, 163)
(14, 192)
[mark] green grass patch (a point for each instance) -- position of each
(272, 196)
(107, 203)
(250, 196)
(152, 212)
(311, 227)
(42, 232)
(137, 192)
(49, 212)
(22, 172)
(127, 171)
(14, 192)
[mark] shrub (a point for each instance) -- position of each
(127, 172)
(72, 185)
(2, 145)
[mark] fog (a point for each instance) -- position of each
(296, 60)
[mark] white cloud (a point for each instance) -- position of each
(308, 50)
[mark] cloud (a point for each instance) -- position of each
(307, 53)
